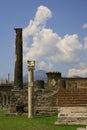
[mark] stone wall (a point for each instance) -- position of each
(53, 80)
(74, 82)
(45, 102)
(19, 100)
(45, 95)
(5, 98)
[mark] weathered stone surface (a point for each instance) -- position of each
(72, 106)
(53, 80)
(18, 101)
(82, 128)
(31, 67)
(45, 102)
(18, 73)
(75, 82)
(72, 97)
(72, 115)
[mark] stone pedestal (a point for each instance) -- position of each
(31, 66)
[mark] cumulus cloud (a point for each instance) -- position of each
(85, 43)
(84, 26)
(79, 72)
(45, 46)
(45, 66)
(69, 47)
(34, 27)
(82, 65)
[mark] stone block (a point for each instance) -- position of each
(81, 128)
(72, 115)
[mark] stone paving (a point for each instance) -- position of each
(82, 128)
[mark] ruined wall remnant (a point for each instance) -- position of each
(39, 84)
(45, 102)
(18, 72)
(5, 95)
(19, 101)
(53, 79)
(76, 82)
(59, 92)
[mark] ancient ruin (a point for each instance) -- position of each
(64, 96)
(18, 95)
(31, 67)
(18, 73)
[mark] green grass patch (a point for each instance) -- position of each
(36, 123)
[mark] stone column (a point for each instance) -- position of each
(3, 100)
(18, 72)
(7, 103)
(31, 67)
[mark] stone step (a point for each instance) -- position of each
(73, 97)
(72, 115)
(72, 104)
(82, 128)
(46, 110)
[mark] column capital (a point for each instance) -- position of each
(18, 29)
(31, 65)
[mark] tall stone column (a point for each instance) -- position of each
(18, 72)
(31, 67)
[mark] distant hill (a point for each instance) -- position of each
(38, 75)
(76, 76)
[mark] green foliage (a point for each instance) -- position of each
(36, 123)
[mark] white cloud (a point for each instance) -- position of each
(42, 15)
(84, 26)
(82, 65)
(85, 43)
(69, 47)
(46, 44)
(79, 72)
(45, 66)
(34, 27)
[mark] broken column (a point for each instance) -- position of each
(18, 73)
(18, 100)
(31, 67)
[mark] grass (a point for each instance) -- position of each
(36, 123)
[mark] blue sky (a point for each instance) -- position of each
(54, 34)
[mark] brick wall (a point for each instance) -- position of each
(69, 97)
